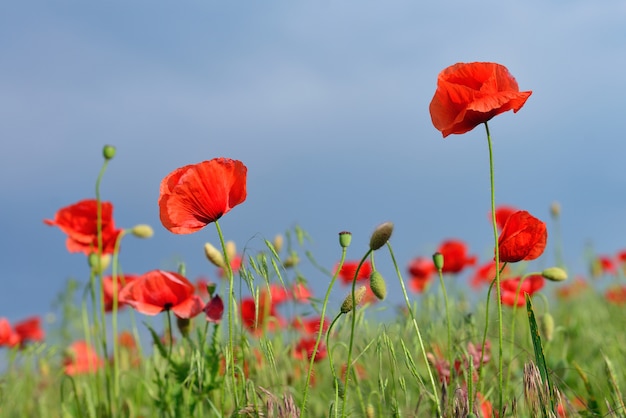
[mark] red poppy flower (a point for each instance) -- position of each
(81, 358)
(421, 270)
(301, 293)
(485, 274)
(603, 265)
(256, 320)
(7, 336)
(575, 288)
(530, 285)
(522, 238)
(214, 310)
(305, 349)
(158, 291)
(455, 257)
(616, 295)
(196, 195)
(469, 94)
(348, 270)
(80, 222)
(29, 330)
(108, 290)
(309, 325)
(502, 215)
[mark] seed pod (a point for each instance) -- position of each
(378, 285)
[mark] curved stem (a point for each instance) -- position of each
(497, 259)
(321, 332)
(352, 327)
(231, 295)
(417, 331)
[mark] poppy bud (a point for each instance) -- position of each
(555, 209)
(378, 285)
(99, 264)
(292, 260)
(214, 310)
(438, 261)
(547, 326)
(554, 274)
(370, 412)
(341, 389)
(347, 304)
(108, 152)
(381, 235)
(214, 255)
(278, 243)
(184, 326)
(345, 238)
(142, 231)
(231, 250)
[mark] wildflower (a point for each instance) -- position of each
(485, 274)
(502, 215)
(510, 295)
(81, 358)
(301, 293)
(7, 336)
(309, 325)
(523, 237)
(305, 349)
(455, 257)
(214, 310)
(256, 320)
(158, 291)
(348, 271)
(469, 94)
(108, 292)
(421, 270)
(80, 222)
(29, 330)
(196, 195)
(603, 265)
(616, 295)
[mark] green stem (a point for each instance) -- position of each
(100, 251)
(330, 361)
(116, 351)
(497, 259)
(231, 296)
(435, 396)
(321, 331)
(445, 299)
(352, 327)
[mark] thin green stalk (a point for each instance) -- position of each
(417, 332)
(107, 370)
(321, 330)
(352, 327)
(336, 380)
(445, 299)
(497, 257)
(231, 296)
(116, 349)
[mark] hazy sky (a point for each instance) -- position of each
(326, 103)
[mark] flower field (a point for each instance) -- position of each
(259, 343)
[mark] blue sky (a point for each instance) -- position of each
(325, 102)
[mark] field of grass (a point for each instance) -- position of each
(513, 342)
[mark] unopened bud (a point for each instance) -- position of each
(108, 152)
(214, 255)
(231, 250)
(554, 274)
(348, 304)
(381, 235)
(99, 263)
(142, 231)
(291, 261)
(184, 326)
(555, 209)
(345, 238)
(378, 285)
(278, 243)
(438, 261)
(547, 326)
(370, 412)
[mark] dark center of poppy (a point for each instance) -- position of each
(167, 306)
